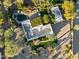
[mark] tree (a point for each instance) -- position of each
(19, 4)
(1, 21)
(41, 4)
(1, 32)
(7, 3)
(68, 7)
(8, 33)
(10, 49)
(19, 1)
(1, 15)
(69, 12)
(1, 18)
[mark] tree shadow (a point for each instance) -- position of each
(4, 16)
(12, 1)
(4, 12)
(28, 2)
(12, 9)
(64, 34)
(9, 10)
(2, 1)
(76, 21)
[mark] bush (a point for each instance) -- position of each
(52, 17)
(1, 21)
(7, 3)
(69, 8)
(46, 19)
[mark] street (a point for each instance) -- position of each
(75, 44)
(2, 53)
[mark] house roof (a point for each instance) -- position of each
(36, 32)
(57, 13)
(33, 32)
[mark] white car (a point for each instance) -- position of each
(77, 17)
(77, 2)
(77, 10)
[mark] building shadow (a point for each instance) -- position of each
(57, 27)
(12, 9)
(4, 12)
(76, 21)
(28, 3)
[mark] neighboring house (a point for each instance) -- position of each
(32, 32)
(37, 14)
(57, 13)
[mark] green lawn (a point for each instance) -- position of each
(36, 21)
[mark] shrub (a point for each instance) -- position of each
(46, 19)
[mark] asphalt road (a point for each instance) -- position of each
(2, 53)
(76, 33)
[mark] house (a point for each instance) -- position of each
(37, 14)
(32, 32)
(57, 13)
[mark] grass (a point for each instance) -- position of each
(35, 22)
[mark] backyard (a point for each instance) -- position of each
(36, 21)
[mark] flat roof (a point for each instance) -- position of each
(38, 31)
